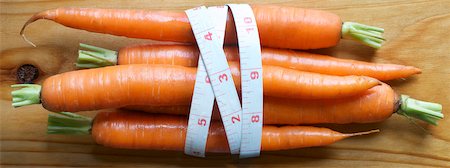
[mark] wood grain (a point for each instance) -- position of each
(417, 33)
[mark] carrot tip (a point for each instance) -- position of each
(28, 41)
(29, 94)
(363, 133)
(417, 70)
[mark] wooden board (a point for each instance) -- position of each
(417, 33)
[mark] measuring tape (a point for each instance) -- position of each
(251, 79)
(245, 139)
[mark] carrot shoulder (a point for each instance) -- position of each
(279, 26)
(187, 55)
(133, 130)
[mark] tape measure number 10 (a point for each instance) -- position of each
(242, 137)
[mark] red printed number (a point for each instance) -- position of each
(255, 118)
(202, 122)
(250, 29)
(223, 77)
(235, 119)
(247, 20)
(208, 36)
(254, 75)
(207, 80)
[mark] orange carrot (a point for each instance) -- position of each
(186, 55)
(375, 105)
(140, 84)
(279, 27)
(132, 130)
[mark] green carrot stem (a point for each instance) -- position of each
(425, 111)
(95, 57)
(365, 34)
(28, 94)
(68, 123)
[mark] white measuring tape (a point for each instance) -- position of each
(251, 79)
(245, 139)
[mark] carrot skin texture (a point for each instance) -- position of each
(279, 27)
(187, 55)
(165, 85)
(133, 130)
(375, 105)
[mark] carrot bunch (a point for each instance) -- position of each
(300, 88)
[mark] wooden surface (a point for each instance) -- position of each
(417, 33)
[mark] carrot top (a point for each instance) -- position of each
(68, 123)
(365, 34)
(28, 94)
(94, 57)
(422, 110)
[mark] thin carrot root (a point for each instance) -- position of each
(95, 57)
(362, 133)
(422, 110)
(365, 34)
(27, 95)
(41, 15)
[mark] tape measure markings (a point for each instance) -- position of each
(251, 81)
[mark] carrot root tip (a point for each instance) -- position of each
(95, 57)
(422, 110)
(365, 34)
(40, 15)
(68, 123)
(28, 94)
(363, 133)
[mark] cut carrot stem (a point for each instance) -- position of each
(368, 35)
(95, 57)
(422, 110)
(28, 94)
(68, 123)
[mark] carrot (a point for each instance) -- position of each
(133, 130)
(186, 55)
(377, 104)
(122, 85)
(279, 26)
